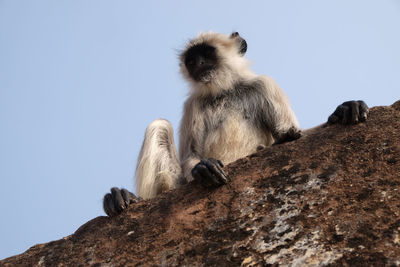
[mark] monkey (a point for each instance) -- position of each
(230, 113)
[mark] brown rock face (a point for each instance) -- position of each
(331, 198)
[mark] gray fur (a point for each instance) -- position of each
(247, 98)
(229, 114)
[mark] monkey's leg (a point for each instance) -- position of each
(157, 169)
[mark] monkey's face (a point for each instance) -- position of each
(200, 61)
(214, 59)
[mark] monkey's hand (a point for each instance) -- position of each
(290, 135)
(118, 200)
(209, 173)
(350, 112)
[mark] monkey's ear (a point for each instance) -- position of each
(242, 44)
(234, 34)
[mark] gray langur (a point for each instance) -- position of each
(229, 114)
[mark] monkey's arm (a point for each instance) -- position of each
(194, 167)
(277, 114)
(188, 155)
(187, 166)
(284, 126)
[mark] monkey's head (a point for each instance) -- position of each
(213, 62)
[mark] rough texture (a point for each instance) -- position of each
(331, 198)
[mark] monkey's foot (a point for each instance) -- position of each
(350, 112)
(118, 200)
(209, 173)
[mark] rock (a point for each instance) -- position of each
(330, 198)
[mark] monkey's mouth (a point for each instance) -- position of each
(204, 76)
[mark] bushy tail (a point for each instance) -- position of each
(158, 168)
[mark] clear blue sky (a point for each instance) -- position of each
(81, 80)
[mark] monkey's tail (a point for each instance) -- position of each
(158, 167)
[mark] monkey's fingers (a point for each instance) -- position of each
(290, 135)
(333, 119)
(220, 163)
(350, 112)
(108, 205)
(128, 197)
(293, 134)
(345, 114)
(119, 202)
(201, 173)
(340, 115)
(355, 111)
(214, 167)
(363, 111)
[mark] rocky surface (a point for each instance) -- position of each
(330, 198)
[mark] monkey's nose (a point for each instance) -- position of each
(201, 61)
(234, 34)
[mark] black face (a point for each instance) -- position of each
(200, 61)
